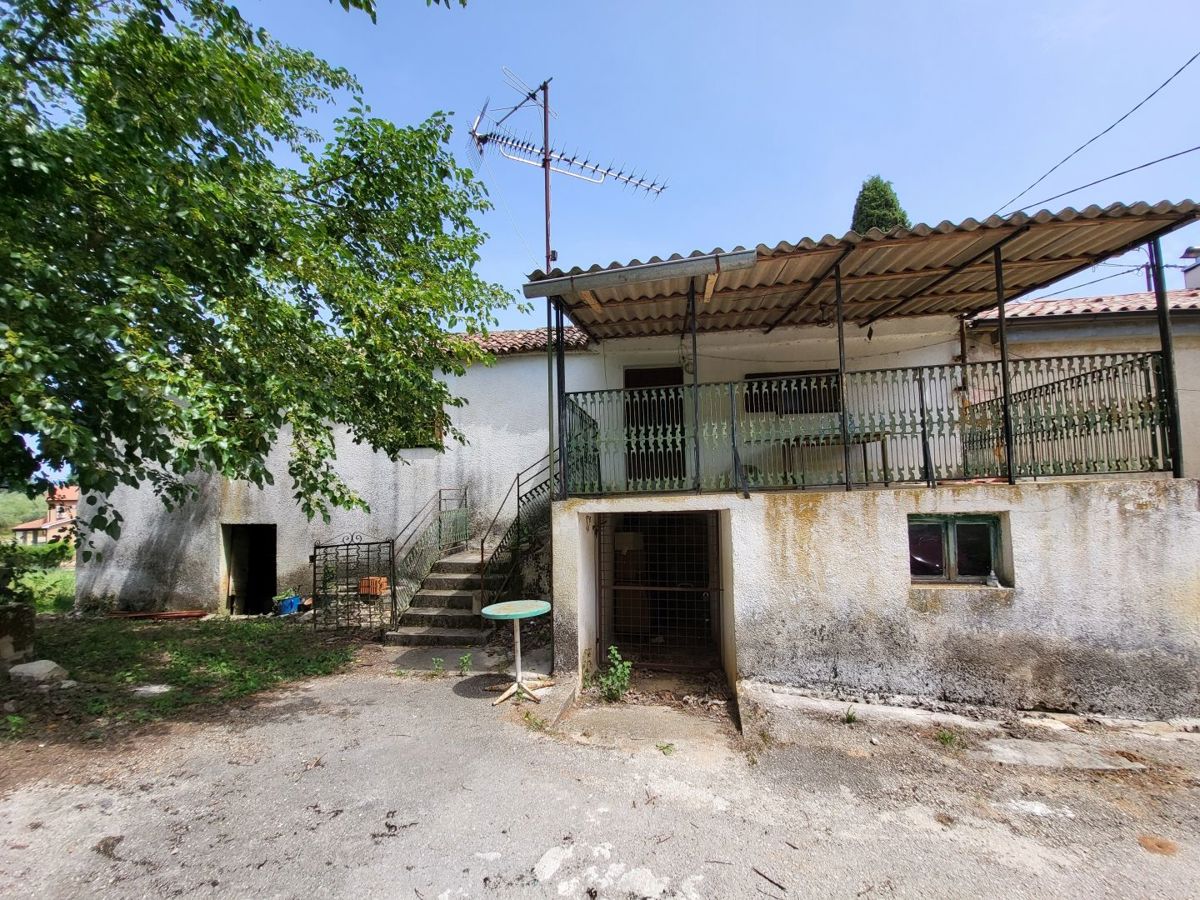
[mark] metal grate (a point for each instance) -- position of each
(659, 588)
(354, 583)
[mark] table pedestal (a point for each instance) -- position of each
(519, 684)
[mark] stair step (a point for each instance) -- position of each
(453, 566)
(444, 598)
(440, 617)
(418, 636)
(456, 581)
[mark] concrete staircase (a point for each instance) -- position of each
(442, 611)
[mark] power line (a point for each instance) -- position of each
(1075, 287)
(1147, 165)
(1101, 134)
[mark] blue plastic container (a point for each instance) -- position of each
(289, 605)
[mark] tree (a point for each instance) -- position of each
(877, 206)
(174, 299)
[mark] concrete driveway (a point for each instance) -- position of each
(369, 785)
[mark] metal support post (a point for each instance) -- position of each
(1167, 344)
(695, 385)
(998, 264)
(841, 338)
(562, 402)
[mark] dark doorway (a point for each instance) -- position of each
(660, 595)
(654, 428)
(250, 558)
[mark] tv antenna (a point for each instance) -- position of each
(546, 157)
(549, 160)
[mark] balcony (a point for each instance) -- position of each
(1071, 416)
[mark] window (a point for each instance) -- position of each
(954, 548)
(793, 393)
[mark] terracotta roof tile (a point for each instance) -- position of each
(1090, 306)
(31, 525)
(533, 340)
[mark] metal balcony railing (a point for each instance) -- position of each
(1076, 415)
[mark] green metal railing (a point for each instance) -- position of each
(442, 525)
(1074, 415)
(530, 520)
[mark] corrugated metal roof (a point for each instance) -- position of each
(924, 270)
(1110, 304)
(533, 340)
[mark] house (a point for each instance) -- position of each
(815, 463)
(811, 464)
(58, 524)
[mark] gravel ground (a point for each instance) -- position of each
(369, 785)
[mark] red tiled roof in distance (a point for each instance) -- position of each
(32, 525)
(533, 340)
(1144, 302)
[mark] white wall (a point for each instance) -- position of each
(1103, 612)
(175, 557)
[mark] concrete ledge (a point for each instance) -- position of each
(933, 598)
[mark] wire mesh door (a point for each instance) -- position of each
(354, 583)
(659, 588)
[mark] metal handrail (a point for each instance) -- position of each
(542, 474)
(428, 517)
(487, 532)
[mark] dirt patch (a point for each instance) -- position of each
(1158, 845)
(700, 692)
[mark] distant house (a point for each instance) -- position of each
(58, 524)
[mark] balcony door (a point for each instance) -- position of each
(654, 428)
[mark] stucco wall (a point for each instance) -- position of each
(1103, 613)
(175, 558)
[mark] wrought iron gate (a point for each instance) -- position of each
(354, 582)
(361, 581)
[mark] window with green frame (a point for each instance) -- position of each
(956, 548)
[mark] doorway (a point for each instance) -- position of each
(660, 588)
(250, 562)
(654, 428)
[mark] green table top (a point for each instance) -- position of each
(516, 609)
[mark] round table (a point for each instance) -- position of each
(516, 610)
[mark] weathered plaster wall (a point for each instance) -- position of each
(1103, 613)
(730, 356)
(175, 558)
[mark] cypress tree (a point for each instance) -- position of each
(878, 206)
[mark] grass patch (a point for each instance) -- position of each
(951, 740)
(53, 589)
(203, 663)
(665, 749)
(849, 717)
(534, 723)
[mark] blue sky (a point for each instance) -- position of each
(766, 117)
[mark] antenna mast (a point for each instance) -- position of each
(550, 160)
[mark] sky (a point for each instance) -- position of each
(765, 118)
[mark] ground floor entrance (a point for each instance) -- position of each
(659, 597)
(250, 561)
